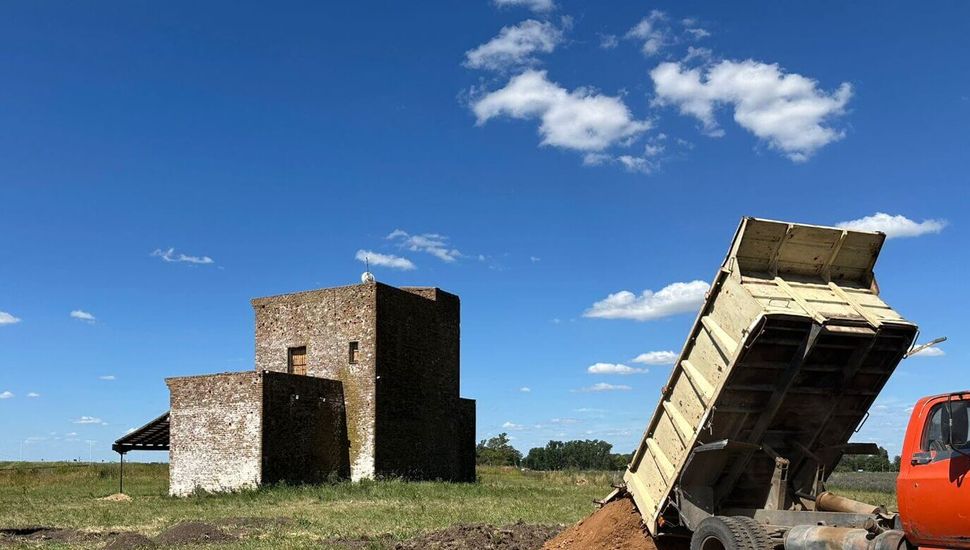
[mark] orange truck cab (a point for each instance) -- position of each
(933, 488)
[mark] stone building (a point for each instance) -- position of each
(359, 381)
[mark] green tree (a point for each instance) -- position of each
(868, 463)
(589, 454)
(497, 451)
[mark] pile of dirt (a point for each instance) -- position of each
(192, 532)
(616, 526)
(46, 534)
(129, 541)
(520, 536)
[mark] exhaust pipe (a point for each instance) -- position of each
(830, 502)
(823, 537)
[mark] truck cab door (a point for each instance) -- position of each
(933, 486)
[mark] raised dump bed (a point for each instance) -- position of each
(783, 362)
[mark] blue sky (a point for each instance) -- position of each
(161, 165)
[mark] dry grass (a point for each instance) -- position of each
(66, 496)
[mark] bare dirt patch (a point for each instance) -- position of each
(616, 526)
(129, 541)
(192, 532)
(46, 534)
(117, 497)
(520, 536)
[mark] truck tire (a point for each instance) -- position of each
(730, 533)
(758, 533)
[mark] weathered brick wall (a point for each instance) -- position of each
(304, 429)
(215, 432)
(326, 321)
(418, 411)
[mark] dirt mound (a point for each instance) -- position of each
(520, 536)
(46, 534)
(129, 541)
(192, 532)
(616, 526)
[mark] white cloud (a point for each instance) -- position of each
(672, 299)
(535, 259)
(929, 352)
(609, 41)
(698, 33)
(71, 434)
(513, 426)
(613, 368)
(582, 119)
(525, 389)
(6, 394)
(33, 394)
(385, 260)
(430, 243)
(604, 387)
(8, 319)
(538, 6)
(107, 377)
(169, 255)
(788, 111)
(82, 315)
(88, 420)
(656, 358)
(894, 226)
(650, 32)
(515, 46)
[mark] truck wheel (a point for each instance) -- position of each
(730, 533)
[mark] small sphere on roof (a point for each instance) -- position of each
(367, 277)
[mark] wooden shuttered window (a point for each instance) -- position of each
(297, 360)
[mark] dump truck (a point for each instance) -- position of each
(783, 362)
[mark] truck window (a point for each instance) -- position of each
(936, 436)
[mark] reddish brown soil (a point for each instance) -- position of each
(520, 536)
(616, 526)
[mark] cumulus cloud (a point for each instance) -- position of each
(6, 394)
(515, 46)
(8, 319)
(538, 6)
(670, 300)
(894, 226)
(33, 394)
(88, 420)
(609, 41)
(613, 368)
(384, 260)
(82, 316)
(107, 377)
(650, 32)
(525, 389)
(604, 387)
(429, 243)
(581, 119)
(788, 111)
(169, 255)
(513, 426)
(929, 352)
(656, 358)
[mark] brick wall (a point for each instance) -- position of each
(215, 432)
(326, 321)
(304, 429)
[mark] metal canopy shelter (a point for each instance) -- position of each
(150, 437)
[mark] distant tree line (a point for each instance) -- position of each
(590, 454)
(869, 463)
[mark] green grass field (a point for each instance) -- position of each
(65, 496)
